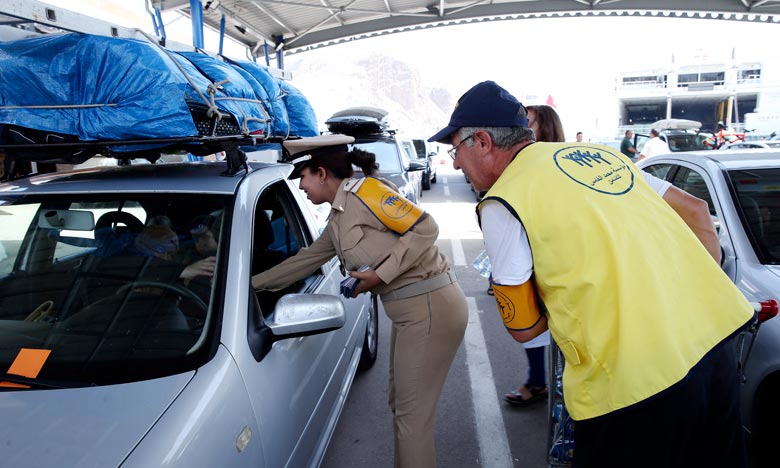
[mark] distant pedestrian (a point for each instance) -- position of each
(579, 137)
(654, 146)
(627, 145)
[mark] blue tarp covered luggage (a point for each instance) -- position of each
(102, 88)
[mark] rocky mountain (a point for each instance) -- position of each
(416, 106)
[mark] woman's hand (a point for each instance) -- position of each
(368, 281)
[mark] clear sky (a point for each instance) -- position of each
(576, 60)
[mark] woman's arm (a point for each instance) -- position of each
(298, 266)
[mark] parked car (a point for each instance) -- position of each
(679, 134)
(751, 144)
(425, 152)
(410, 154)
(742, 188)
(372, 133)
(113, 354)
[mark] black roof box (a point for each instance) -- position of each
(358, 121)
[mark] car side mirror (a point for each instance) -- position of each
(416, 166)
(306, 314)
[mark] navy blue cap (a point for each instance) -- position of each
(484, 105)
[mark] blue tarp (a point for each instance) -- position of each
(280, 122)
(121, 89)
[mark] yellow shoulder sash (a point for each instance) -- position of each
(390, 207)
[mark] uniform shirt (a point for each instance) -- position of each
(507, 246)
(358, 238)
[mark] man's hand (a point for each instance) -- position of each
(368, 280)
(204, 267)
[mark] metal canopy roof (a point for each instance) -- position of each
(292, 26)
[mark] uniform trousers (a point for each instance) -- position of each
(427, 332)
(696, 422)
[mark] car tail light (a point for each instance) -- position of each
(765, 309)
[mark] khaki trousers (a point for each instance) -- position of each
(427, 332)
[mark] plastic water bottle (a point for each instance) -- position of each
(482, 264)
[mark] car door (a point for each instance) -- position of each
(296, 385)
(697, 181)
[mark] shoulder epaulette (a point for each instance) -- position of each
(389, 206)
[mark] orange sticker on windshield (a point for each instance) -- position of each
(29, 362)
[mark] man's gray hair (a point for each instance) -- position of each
(503, 137)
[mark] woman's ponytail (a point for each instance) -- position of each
(364, 160)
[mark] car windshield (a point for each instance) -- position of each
(111, 288)
(386, 154)
(688, 141)
(757, 193)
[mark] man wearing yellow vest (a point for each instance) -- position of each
(642, 313)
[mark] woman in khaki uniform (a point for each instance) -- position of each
(370, 224)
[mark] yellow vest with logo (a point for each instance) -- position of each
(634, 300)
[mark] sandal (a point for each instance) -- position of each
(516, 398)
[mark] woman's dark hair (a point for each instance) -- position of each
(550, 127)
(341, 165)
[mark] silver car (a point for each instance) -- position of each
(742, 188)
(117, 346)
(395, 163)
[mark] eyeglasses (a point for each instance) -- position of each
(453, 152)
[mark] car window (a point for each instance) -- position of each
(757, 195)
(694, 183)
(386, 152)
(420, 148)
(407, 154)
(112, 285)
(658, 170)
(17, 218)
(408, 147)
(279, 231)
(71, 246)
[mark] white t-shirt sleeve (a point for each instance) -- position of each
(659, 185)
(507, 245)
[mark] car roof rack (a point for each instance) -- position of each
(227, 105)
(360, 121)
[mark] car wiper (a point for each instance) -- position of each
(37, 383)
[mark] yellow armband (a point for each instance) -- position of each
(390, 207)
(518, 305)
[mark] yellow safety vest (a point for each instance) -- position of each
(634, 300)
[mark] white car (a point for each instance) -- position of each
(742, 188)
(751, 144)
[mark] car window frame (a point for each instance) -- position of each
(259, 336)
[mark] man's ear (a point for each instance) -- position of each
(482, 138)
